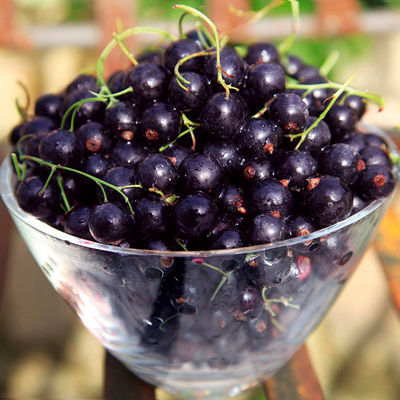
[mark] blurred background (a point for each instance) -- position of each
(44, 350)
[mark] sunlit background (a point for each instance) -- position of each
(44, 350)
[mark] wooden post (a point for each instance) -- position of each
(337, 16)
(227, 22)
(110, 15)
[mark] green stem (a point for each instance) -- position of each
(213, 28)
(99, 181)
(108, 96)
(180, 244)
(329, 63)
(19, 142)
(113, 43)
(218, 288)
(53, 169)
(162, 148)
(180, 25)
(203, 33)
(16, 166)
(75, 107)
(286, 45)
(125, 50)
(20, 111)
(304, 134)
(374, 98)
(63, 195)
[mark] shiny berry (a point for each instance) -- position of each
(195, 215)
(121, 176)
(109, 223)
(151, 216)
(227, 239)
(94, 137)
(357, 104)
(76, 222)
(130, 153)
(262, 52)
(341, 120)
(327, 200)
(48, 105)
(160, 124)
(122, 119)
(265, 228)
(159, 172)
(221, 116)
(375, 182)
(83, 81)
(256, 171)
(231, 201)
(180, 49)
(375, 156)
(289, 111)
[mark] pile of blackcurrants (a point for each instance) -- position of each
(195, 147)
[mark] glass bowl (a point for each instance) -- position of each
(200, 324)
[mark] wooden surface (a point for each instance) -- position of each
(295, 381)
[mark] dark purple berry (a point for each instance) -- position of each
(227, 239)
(231, 201)
(177, 154)
(299, 226)
(358, 204)
(265, 228)
(76, 222)
(341, 160)
(375, 182)
(83, 81)
(160, 124)
(96, 165)
(195, 215)
(375, 156)
(109, 223)
(122, 119)
(149, 83)
(31, 200)
(130, 153)
(327, 200)
(159, 172)
(191, 98)
(296, 167)
(356, 141)
(289, 111)
(199, 172)
(258, 137)
(180, 49)
(37, 125)
(270, 196)
(373, 140)
(61, 147)
(256, 171)
(151, 216)
(199, 37)
(48, 105)
(94, 137)
(341, 120)
(263, 81)
(232, 67)
(262, 52)
(357, 104)
(227, 155)
(250, 302)
(293, 65)
(121, 176)
(221, 116)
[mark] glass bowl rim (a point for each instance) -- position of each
(9, 199)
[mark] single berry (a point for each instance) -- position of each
(227, 154)
(265, 228)
(159, 172)
(299, 226)
(256, 171)
(258, 137)
(160, 124)
(232, 67)
(270, 196)
(221, 116)
(231, 201)
(356, 141)
(375, 182)
(122, 119)
(341, 120)
(149, 83)
(375, 156)
(317, 138)
(121, 176)
(227, 239)
(83, 81)
(195, 94)
(195, 215)
(296, 167)
(328, 201)
(130, 153)
(151, 216)
(199, 172)
(341, 160)
(263, 81)
(76, 222)
(176, 154)
(262, 52)
(109, 223)
(293, 66)
(94, 137)
(48, 105)
(373, 140)
(357, 104)
(289, 111)
(61, 147)
(180, 49)
(31, 200)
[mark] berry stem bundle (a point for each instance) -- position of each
(304, 134)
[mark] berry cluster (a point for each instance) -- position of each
(196, 147)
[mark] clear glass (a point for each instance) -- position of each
(175, 318)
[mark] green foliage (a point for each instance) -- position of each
(79, 10)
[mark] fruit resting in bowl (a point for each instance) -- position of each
(197, 148)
